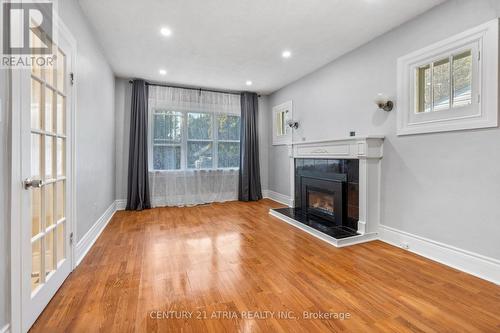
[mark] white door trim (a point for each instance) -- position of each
(16, 186)
(15, 203)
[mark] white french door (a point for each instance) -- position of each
(46, 178)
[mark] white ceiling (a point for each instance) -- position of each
(223, 43)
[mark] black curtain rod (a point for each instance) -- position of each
(198, 89)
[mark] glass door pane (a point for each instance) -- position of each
(60, 157)
(49, 110)
(48, 74)
(49, 253)
(36, 156)
(61, 119)
(61, 70)
(49, 157)
(60, 202)
(36, 264)
(36, 212)
(36, 104)
(49, 205)
(60, 242)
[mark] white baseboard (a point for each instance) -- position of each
(5, 329)
(478, 265)
(278, 197)
(265, 194)
(121, 204)
(91, 236)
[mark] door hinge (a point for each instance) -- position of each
(479, 55)
(71, 238)
(71, 78)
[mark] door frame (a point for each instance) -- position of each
(16, 188)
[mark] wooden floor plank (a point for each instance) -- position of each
(220, 260)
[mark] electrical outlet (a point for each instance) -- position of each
(405, 245)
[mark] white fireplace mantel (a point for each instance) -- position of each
(369, 151)
(355, 147)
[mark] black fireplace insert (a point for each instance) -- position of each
(326, 196)
(323, 195)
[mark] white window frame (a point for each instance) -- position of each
(184, 141)
(285, 139)
(482, 113)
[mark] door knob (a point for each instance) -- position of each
(28, 183)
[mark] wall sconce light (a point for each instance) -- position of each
(383, 102)
(293, 124)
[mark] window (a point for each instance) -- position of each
(195, 140)
(167, 140)
(228, 131)
(451, 85)
(282, 133)
(445, 84)
(200, 143)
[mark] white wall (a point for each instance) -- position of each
(95, 151)
(123, 93)
(442, 186)
(95, 118)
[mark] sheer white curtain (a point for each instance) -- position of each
(178, 99)
(194, 146)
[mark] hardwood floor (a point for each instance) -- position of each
(233, 259)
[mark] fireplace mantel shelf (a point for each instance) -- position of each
(355, 147)
(348, 138)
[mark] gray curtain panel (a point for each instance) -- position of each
(249, 179)
(138, 178)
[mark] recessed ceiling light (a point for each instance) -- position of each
(249, 83)
(165, 31)
(162, 72)
(286, 54)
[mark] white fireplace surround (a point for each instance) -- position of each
(369, 151)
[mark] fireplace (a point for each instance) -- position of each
(336, 188)
(323, 195)
(326, 196)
